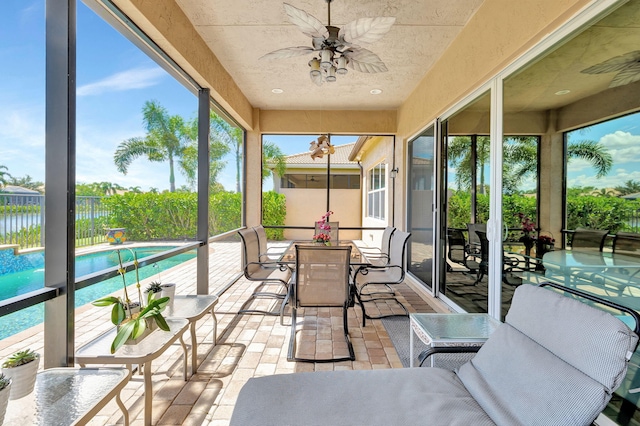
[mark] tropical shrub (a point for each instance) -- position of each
(274, 212)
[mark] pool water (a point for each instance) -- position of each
(17, 283)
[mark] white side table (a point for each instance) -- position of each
(98, 351)
(69, 396)
(193, 308)
(451, 333)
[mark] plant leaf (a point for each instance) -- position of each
(162, 323)
(105, 301)
(122, 336)
(139, 328)
(617, 63)
(308, 24)
(117, 314)
(366, 30)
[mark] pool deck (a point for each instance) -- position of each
(248, 346)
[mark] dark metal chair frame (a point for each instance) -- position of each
(296, 301)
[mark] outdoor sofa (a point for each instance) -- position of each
(555, 361)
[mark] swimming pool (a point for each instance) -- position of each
(23, 281)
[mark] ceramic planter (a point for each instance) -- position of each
(23, 378)
(4, 400)
(168, 290)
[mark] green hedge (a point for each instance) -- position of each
(587, 211)
(149, 216)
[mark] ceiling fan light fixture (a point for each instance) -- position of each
(336, 47)
(326, 59)
(342, 65)
(314, 64)
(331, 74)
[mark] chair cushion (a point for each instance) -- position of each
(555, 361)
(373, 397)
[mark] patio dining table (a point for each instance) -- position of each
(606, 274)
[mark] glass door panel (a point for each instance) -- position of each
(421, 202)
(465, 207)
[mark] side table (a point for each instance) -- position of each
(69, 396)
(98, 351)
(450, 333)
(193, 308)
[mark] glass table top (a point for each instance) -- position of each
(456, 327)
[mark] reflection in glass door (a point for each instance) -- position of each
(421, 201)
(464, 207)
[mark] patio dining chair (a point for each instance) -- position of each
(380, 255)
(585, 239)
(267, 273)
(266, 253)
(627, 243)
(321, 279)
(373, 282)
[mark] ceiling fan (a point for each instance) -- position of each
(336, 47)
(627, 66)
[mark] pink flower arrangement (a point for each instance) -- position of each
(527, 224)
(321, 238)
(324, 227)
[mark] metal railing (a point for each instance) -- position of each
(22, 216)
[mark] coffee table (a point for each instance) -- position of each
(450, 333)
(98, 351)
(69, 396)
(193, 308)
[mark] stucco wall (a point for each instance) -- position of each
(306, 206)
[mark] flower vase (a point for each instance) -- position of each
(528, 243)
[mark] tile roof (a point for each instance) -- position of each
(341, 156)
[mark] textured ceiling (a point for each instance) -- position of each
(239, 32)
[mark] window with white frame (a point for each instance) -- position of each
(376, 192)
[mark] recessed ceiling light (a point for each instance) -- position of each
(563, 92)
(375, 91)
(278, 91)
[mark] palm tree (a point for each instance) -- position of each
(4, 176)
(168, 138)
(272, 159)
(459, 155)
(629, 187)
(26, 182)
(231, 137)
(520, 155)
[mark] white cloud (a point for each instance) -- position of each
(137, 78)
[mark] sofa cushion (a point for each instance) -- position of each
(373, 397)
(553, 353)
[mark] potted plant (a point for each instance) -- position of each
(5, 389)
(154, 290)
(21, 368)
(133, 327)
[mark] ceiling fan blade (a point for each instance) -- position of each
(308, 24)
(364, 60)
(366, 30)
(628, 75)
(617, 63)
(288, 52)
